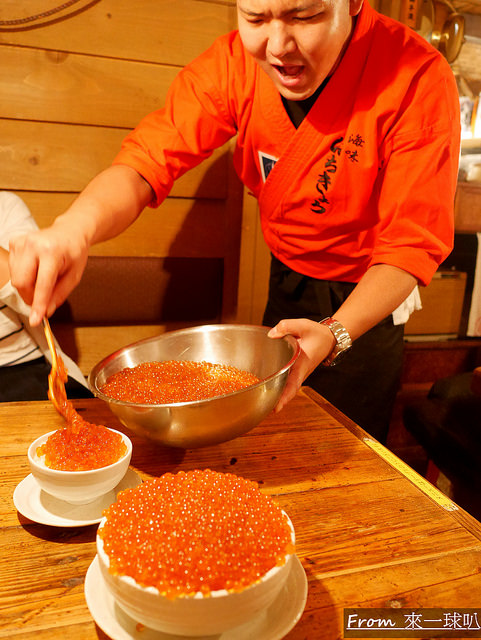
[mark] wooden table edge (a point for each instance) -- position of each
(431, 491)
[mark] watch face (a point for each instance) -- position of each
(339, 355)
(335, 356)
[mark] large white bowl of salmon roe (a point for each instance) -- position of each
(195, 553)
(80, 465)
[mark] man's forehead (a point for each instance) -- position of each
(284, 6)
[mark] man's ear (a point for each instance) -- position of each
(355, 7)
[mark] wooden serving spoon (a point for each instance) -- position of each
(58, 376)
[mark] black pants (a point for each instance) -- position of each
(29, 381)
(365, 382)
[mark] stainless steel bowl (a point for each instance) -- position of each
(214, 420)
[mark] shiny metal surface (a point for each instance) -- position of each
(196, 424)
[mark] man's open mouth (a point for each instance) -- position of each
(289, 70)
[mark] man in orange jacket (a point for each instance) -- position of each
(348, 130)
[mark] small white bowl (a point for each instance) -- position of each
(77, 487)
(196, 615)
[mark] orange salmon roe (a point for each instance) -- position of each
(175, 381)
(88, 446)
(196, 531)
(80, 446)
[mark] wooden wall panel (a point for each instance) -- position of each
(45, 205)
(169, 32)
(255, 266)
(181, 227)
(185, 228)
(57, 157)
(65, 87)
(72, 87)
(41, 156)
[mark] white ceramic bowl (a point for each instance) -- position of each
(196, 615)
(77, 487)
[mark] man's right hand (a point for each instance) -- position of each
(45, 266)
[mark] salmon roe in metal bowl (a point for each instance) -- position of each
(175, 381)
(194, 552)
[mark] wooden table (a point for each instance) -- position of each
(369, 532)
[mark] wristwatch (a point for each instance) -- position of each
(343, 341)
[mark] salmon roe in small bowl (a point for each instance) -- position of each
(80, 465)
(195, 553)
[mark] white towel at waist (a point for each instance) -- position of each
(412, 303)
(474, 321)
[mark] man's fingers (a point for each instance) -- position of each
(34, 271)
(295, 327)
(43, 302)
(295, 378)
(280, 330)
(65, 284)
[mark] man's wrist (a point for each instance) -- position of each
(343, 341)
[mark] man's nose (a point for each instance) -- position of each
(281, 40)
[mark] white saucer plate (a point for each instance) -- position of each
(272, 624)
(33, 503)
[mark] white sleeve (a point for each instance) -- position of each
(15, 218)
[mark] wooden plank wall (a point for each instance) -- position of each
(72, 85)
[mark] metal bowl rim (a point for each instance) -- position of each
(210, 327)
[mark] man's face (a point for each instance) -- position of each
(298, 43)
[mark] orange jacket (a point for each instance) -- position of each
(370, 175)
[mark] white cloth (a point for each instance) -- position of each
(19, 341)
(10, 296)
(474, 320)
(412, 303)
(16, 344)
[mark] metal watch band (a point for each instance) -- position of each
(343, 341)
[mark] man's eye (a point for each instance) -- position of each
(307, 18)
